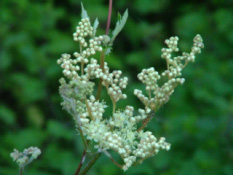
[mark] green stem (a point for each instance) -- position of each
(83, 138)
(82, 67)
(114, 107)
(100, 82)
(102, 53)
(90, 164)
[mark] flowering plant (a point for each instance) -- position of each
(120, 131)
(124, 130)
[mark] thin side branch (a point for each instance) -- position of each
(146, 121)
(112, 159)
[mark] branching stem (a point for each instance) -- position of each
(81, 162)
(90, 164)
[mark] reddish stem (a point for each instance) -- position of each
(109, 17)
(81, 163)
(21, 171)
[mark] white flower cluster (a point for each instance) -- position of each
(95, 110)
(115, 85)
(25, 157)
(118, 132)
(158, 95)
(69, 65)
(83, 30)
(149, 145)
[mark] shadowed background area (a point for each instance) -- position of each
(197, 120)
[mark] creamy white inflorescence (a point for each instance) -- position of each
(118, 132)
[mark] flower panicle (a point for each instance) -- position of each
(118, 132)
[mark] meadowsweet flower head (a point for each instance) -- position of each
(120, 131)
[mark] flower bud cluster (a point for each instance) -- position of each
(25, 157)
(116, 85)
(149, 145)
(175, 66)
(198, 44)
(75, 89)
(96, 108)
(69, 66)
(149, 77)
(113, 141)
(94, 46)
(93, 70)
(128, 162)
(172, 43)
(94, 111)
(83, 30)
(143, 115)
(95, 130)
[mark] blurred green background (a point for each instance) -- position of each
(197, 121)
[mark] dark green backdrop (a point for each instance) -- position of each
(197, 121)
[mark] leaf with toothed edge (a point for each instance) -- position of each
(119, 25)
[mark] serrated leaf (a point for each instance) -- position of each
(119, 25)
(96, 23)
(84, 12)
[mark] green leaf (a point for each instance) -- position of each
(84, 12)
(96, 23)
(119, 25)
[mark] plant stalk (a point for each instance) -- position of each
(109, 17)
(81, 162)
(102, 53)
(20, 171)
(146, 120)
(90, 164)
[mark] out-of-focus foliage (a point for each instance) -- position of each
(197, 121)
